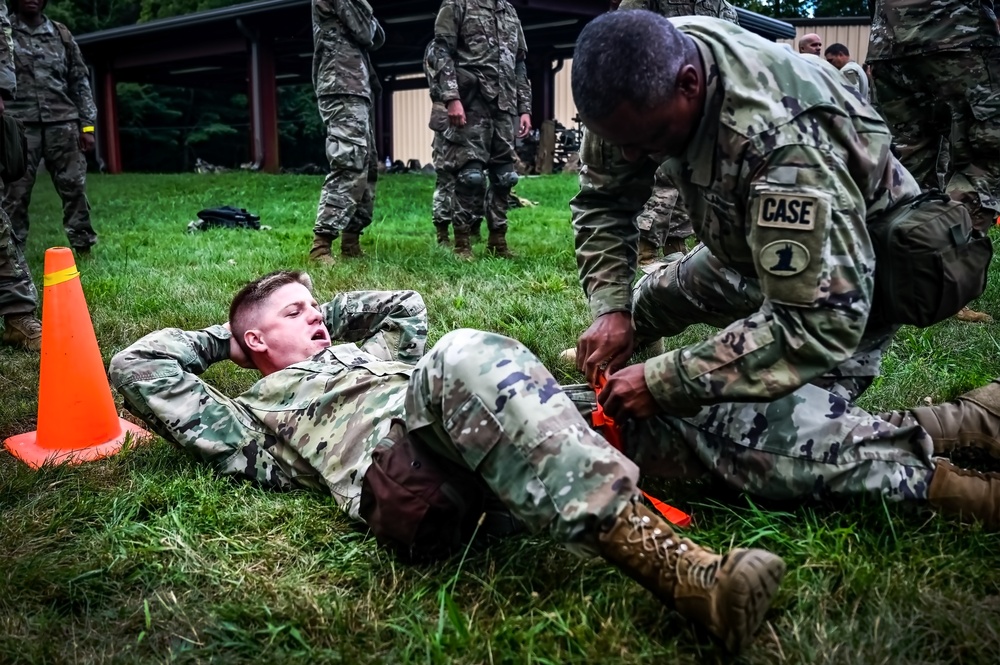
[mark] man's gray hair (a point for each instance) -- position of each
(629, 55)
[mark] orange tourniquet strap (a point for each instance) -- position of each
(613, 435)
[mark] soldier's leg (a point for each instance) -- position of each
(975, 134)
(18, 194)
(503, 177)
(678, 230)
(347, 128)
(488, 403)
(697, 288)
(913, 112)
(653, 220)
(68, 168)
(464, 152)
(350, 244)
(811, 443)
(444, 193)
(18, 297)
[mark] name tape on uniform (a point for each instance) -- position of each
(788, 211)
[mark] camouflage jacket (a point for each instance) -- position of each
(312, 424)
(8, 80)
(479, 47)
(674, 8)
(780, 179)
(53, 82)
(344, 31)
(603, 276)
(903, 28)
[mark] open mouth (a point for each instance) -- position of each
(320, 335)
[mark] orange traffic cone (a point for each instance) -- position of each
(77, 421)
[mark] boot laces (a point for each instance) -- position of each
(653, 539)
(27, 324)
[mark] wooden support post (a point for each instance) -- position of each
(263, 105)
(546, 148)
(111, 150)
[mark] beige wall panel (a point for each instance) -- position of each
(565, 108)
(411, 138)
(854, 37)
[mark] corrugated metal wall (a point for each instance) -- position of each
(565, 108)
(411, 139)
(854, 37)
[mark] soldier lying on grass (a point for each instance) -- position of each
(349, 404)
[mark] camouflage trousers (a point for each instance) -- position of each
(444, 191)
(59, 145)
(481, 156)
(17, 292)
(661, 219)
(348, 197)
(488, 403)
(952, 96)
(813, 442)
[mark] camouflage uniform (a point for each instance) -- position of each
(478, 56)
(780, 190)
(17, 292)
(344, 31)
(853, 72)
(478, 398)
(937, 69)
(55, 104)
(662, 223)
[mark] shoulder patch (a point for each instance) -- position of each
(784, 258)
(793, 212)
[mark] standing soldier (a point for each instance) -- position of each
(936, 65)
(57, 108)
(18, 297)
(476, 64)
(444, 186)
(344, 31)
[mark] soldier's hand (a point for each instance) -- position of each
(525, 126)
(605, 346)
(236, 353)
(456, 113)
(626, 395)
(87, 141)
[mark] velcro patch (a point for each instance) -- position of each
(784, 258)
(794, 212)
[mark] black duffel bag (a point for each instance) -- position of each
(930, 261)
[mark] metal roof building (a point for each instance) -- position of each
(257, 46)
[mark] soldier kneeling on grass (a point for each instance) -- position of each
(419, 446)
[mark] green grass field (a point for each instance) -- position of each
(147, 557)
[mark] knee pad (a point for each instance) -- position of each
(506, 177)
(471, 176)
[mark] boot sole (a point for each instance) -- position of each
(754, 578)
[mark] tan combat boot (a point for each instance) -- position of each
(320, 250)
(462, 247)
(442, 235)
(970, 421)
(496, 245)
(23, 330)
(968, 315)
(648, 252)
(350, 245)
(966, 494)
(729, 595)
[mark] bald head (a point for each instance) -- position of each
(630, 55)
(811, 43)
